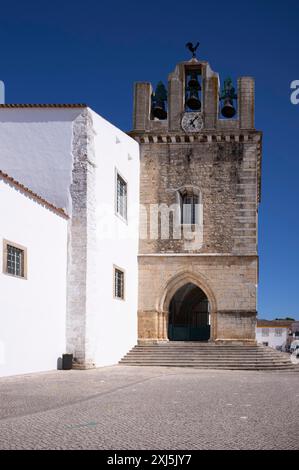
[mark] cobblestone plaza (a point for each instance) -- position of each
(124, 407)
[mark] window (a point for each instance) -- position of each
(14, 259)
(119, 283)
(189, 213)
(265, 331)
(278, 331)
(121, 197)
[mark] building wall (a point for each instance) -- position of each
(272, 340)
(32, 310)
(226, 175)
(117, 240)
(100, 329)
(36, 149)
(69, 156)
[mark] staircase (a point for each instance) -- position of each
(208, 356)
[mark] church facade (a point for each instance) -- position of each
(200, 172)
(111, 239)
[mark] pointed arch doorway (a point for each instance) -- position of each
(189, 314)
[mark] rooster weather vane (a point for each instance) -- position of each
(192, 48)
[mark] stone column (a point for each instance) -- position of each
(246, 102)
(210, 101)
(175, 98)
(81, 278)
(142, 105)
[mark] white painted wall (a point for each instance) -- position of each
(117, 241)
(272, 340)
(32, 311)
(35, 149)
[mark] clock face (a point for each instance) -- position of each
(192, 122)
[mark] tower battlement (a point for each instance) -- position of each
(177, 99)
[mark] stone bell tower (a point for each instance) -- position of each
(199, 195)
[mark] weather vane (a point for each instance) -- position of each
(192, 48)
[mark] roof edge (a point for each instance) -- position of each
(43, 105)
(36, 197)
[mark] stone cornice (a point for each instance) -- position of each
(209, 136)
(206, 255)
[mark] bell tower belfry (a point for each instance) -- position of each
(199, 193)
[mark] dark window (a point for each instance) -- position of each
(15, 261)
(121, 197)
(119, 279)
(189, 213)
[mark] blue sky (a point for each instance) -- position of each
(93, 51)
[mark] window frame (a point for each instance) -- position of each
(194, 192)
(194, 205)
(118, 268)
(119, 175)
(7, 243)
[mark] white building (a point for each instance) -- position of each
(81, 278)
(273, 333)
(33, 253)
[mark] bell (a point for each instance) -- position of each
(193, 102)
(228, 110)
(159, 110)
(193, 82)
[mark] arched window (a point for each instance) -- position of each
(189, 207)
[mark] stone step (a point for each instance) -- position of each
(214, 366)
(166, 360)
(207, 358)
(199, 346)
(178, 361)
(208, 355)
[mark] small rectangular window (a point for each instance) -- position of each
(14, 259)
(121, 197)
(265, 331)
(119, 283)
(278, 331)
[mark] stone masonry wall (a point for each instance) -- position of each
(225, 173)
(231, 281)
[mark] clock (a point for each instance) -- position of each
(192, 122)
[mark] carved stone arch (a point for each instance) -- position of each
(171, 287)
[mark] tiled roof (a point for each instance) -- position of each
(51, 105)
(33, 195)
(274, 323)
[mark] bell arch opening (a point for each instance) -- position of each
(189, 315)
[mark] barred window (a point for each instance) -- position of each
(14, 259)
(121, 197)
(189, 211)
(119, 284)
(278, 331)
(265, 331)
